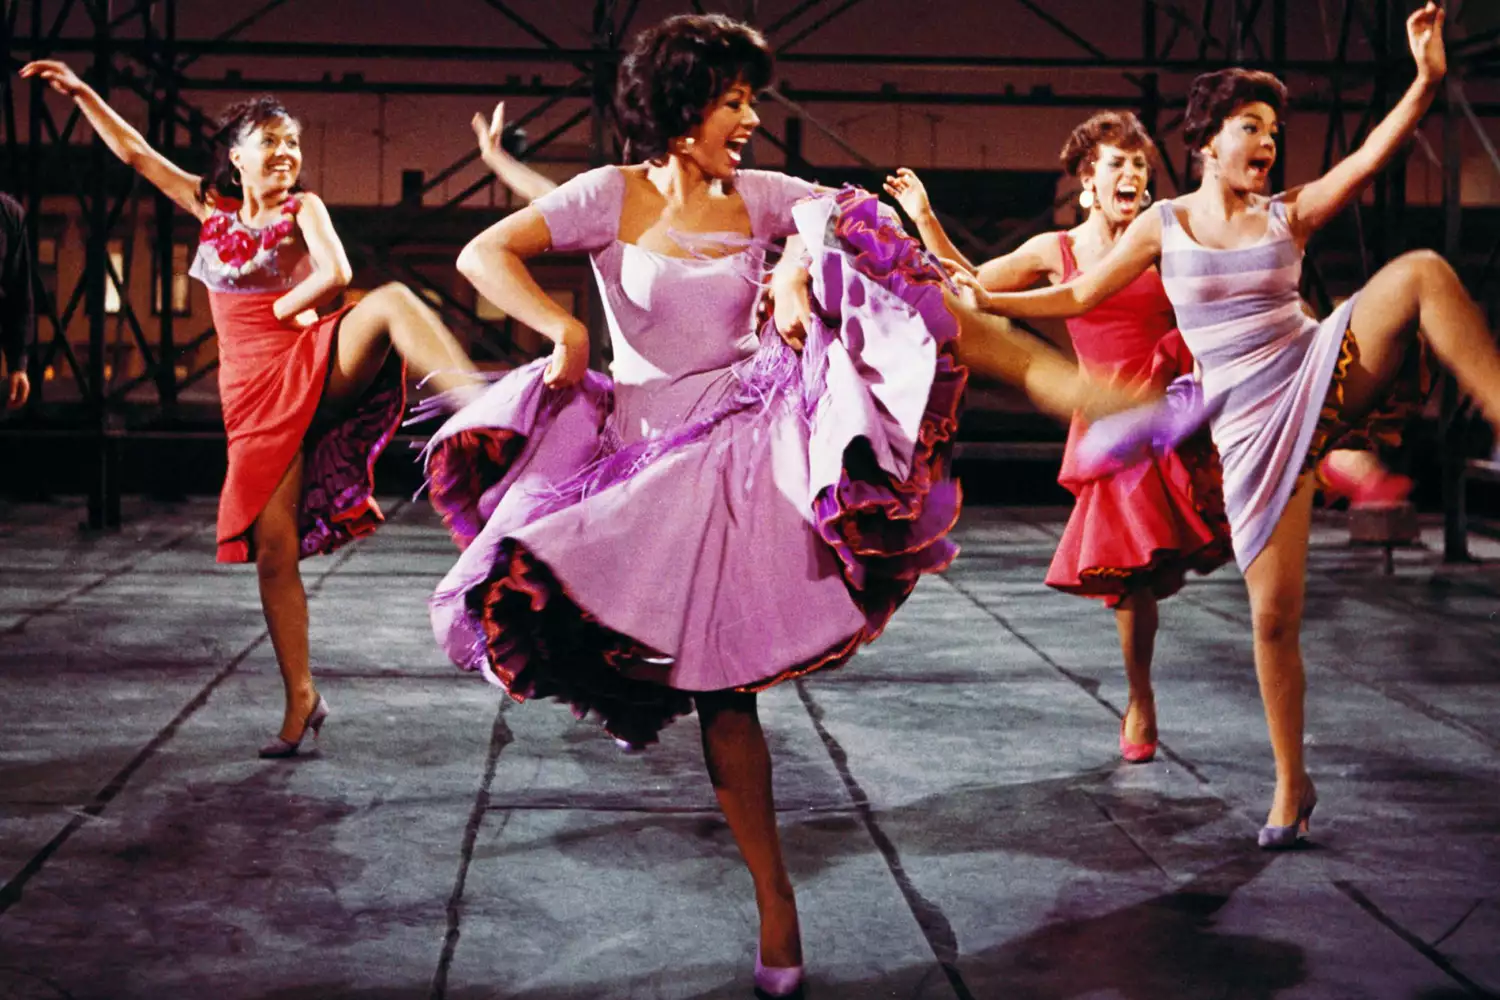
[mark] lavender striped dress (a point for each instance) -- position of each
(1241, 316)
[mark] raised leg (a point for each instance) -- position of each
(1416, 293)
(1055, 385)
(392, 316)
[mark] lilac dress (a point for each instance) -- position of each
(724, 513)
(1266, 366)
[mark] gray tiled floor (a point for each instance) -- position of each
(955, 816)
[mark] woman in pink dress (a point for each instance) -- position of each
(1280, 388)
(309, 401)
(1134, 532)
(732, 509)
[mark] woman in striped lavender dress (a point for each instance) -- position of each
(1283, 389)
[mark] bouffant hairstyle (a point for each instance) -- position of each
(677, 69)
(222, 180)
(1120, 129)
(1214, 96)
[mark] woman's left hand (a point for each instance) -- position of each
(788, 303)
(1424, 30)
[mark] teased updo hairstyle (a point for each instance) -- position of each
(222, 180)
(1120, 129)
(1213, 97)
(677, 69)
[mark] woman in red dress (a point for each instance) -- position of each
(1135, 532)
(309, 401)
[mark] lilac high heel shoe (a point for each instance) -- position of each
(1279, 838)
(1124, 439)
(280, 748)
(777, 983)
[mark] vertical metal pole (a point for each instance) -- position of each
(1455, 519)
(104, 492)
(1278, 60)
(36, 111)
(166, 377)
(1150, 82)
(601, 93)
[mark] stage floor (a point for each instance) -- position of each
(956, 817)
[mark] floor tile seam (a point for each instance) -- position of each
(1081, 682)
(1386, 690)
(11, 891)
(106, 577)
(1442, 962)
(500, 737)
(934, 925)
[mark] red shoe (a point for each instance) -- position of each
(1379, 489)
(1136, 753)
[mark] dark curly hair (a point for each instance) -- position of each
(1214, 96)
(222, 180)
(1120, 129)
(677, 69)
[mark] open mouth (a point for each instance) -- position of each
(1127, 197)
(736, 148)
(1262, 164)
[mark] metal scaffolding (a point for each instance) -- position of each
(135, 47)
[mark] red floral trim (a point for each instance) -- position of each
(236, 245)
(1381, 427)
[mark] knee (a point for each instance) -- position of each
(276, 557)
(1424, 267)
(395, 297)
(1277, 626)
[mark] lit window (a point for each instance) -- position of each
(117, 266)
(182, 299)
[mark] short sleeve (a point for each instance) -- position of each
(584, 213)
(769, 197)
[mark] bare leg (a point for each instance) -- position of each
(1055, 385)
(1415, 292)
(1136, 620)
(1277, 581)
(393, 316)
(739, 765)
(283, 599)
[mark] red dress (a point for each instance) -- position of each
(271, 382)
(1147, 525)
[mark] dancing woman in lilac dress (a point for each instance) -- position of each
(1283, 389)
(733, 509)
(309, 401)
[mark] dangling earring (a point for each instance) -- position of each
(1146, 199)
(1086, 199)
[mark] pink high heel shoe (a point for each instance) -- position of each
(1378, 489)
(777, 983)
(1136, 753)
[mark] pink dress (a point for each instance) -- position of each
(1144, 526)
(722, 513)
